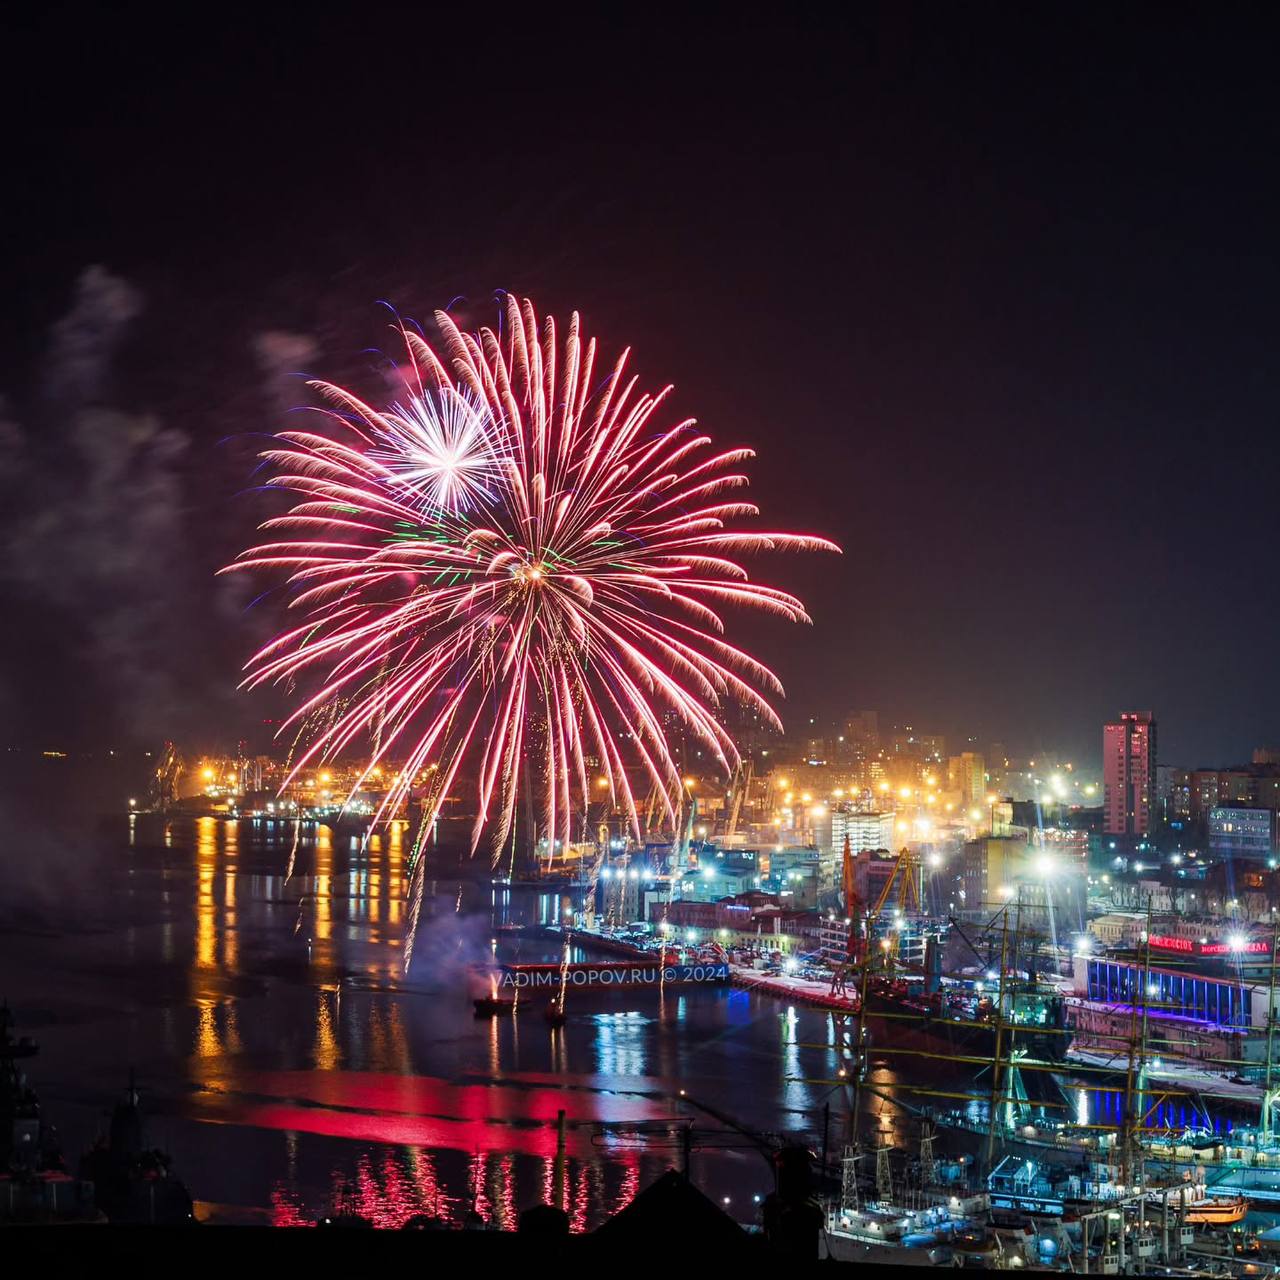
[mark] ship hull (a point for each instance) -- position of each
(896, 1026)
(926, 1046)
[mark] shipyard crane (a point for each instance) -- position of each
(904, 876)
(164, 780)
(741, 784)
(853, 938)
(908, 884)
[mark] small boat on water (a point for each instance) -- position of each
(486, 999)
(493, 1006)
(1218, 1212)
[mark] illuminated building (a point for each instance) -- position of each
(863, 830)
(990, 871)
(1221, 1001)
(1129, 774)
(967, 774)
(1192, 1016)
(1251, 786)
(1122, 929)
(1249, 833)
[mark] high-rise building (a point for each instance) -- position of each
(1129, 773)
(967, 774)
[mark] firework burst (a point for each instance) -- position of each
(519, 572)
(441, 452)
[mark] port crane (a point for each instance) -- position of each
(904, 874)
(853, 938)
(741, 784)
(164, 779)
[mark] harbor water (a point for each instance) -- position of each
(288, 1063)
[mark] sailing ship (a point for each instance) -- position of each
(911, 1227)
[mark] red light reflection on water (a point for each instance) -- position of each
(506, 1198)
(387, 1189)
(285, 1211)
(422, 1111)
(480, 1198)
(392, 1187)
(630, 1185)
(580, 1202)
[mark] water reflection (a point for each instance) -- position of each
(293, 1063)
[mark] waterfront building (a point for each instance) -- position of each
(747, 920)
(1204, 1016)
(894, 936)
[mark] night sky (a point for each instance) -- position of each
(993, 291)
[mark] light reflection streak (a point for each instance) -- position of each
(389, 1188)
(480, 1204)
(505, 1195)
(580, 1201)
(325, 1053)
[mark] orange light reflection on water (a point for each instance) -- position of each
(402, 1117)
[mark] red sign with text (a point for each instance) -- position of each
(1253, 947)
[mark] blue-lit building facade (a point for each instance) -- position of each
(1193, 1014)
(1221, 1001)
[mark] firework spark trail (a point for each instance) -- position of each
(564, 974)
(293, 851)
(519, 562)
(417, 886)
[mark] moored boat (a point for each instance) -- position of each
(1218, 1211)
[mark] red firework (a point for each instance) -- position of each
(519, 566)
